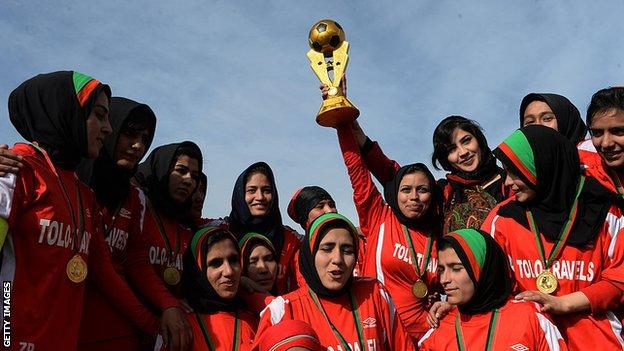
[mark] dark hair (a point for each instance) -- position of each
(442, 139)
(335, 225)
(189, 151)
(603, 100)
(257, 169)
(139, 119)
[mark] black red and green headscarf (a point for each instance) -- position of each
(110, 182)
(314, 235)
(548, 163)
(303, 201)
(487, 267)
(246, 245)
(569, 121)
(196, 288)
(51, 109)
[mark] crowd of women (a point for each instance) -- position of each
(101, 251)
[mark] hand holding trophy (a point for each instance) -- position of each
(329, 53)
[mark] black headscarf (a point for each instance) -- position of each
(430, 219)
(303, 201)
(242, 222)
(487, 267)
(196, 288)
(110, 182)
(51, 109)
(153, 176)
(569, 121)
(314, 235)
(555, 162)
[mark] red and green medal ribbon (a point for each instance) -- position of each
(208, 339)
(356, 318)
(565, 231)
(490, 334)
(420, 273)
(163, 234)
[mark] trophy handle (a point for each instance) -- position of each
(341, 58)
(319, 66)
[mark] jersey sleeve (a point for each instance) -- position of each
(106, 279)
(382, 167)
(275, 312)
(368, 200)
(547, 336)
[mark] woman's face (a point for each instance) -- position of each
(414, 196)
(523, 192)
(183, 178)
(258, 194)
(538, 112)
(131, 146)
(97, 125)
(223, 268)
(322, 207)
(454, 278)
(335, 258)
(464, 153)
(198, 201)
(262, 267)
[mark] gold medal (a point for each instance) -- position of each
(546, 282)
(77, 269)
(419, 289)
(171, 276)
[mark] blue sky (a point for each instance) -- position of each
(233, 75)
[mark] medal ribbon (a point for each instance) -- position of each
(356, 318)
(78, 230)
(209, 343)
(490, 334)
(414, 257)
(163, 234)
(565, 231)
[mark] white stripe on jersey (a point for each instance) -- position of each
(615, 224)
(159, 343)
(7, 189)
(493, 227)
(551, 333)
(277, 309)
(391, 307)
(425, 337)
(378, 252)
(143, 207)
(616, 327)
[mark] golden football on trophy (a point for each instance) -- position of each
(329, 55)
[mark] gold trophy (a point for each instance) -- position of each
(329, 54)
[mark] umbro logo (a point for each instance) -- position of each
(125, 213)
(519, 347)
(369, 322)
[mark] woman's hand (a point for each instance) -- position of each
(570, 303)
(437, 312)
(9, 161)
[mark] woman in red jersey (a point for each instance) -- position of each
(562, 236)
(348, 313)
(210, 283)
(400, 232)
(255, 208)
(475, 275)
(123, 204)
(50, 225)
(169, 178)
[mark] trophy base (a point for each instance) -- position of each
(337, 111)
